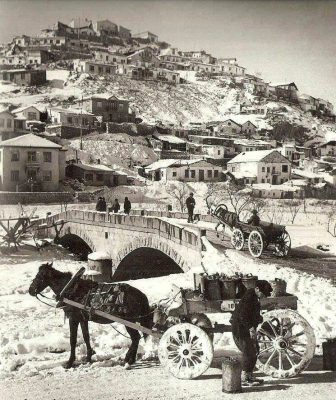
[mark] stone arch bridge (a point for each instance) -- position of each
(138, 246)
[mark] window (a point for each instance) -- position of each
(46, 176)
(47, 156)
(99, 104)
(174, 173)
(32, 116)
(263, 180)
(32, 156)
(268, 169)
(99, 177)
(9, 123)
(100, 70)
(216, 173)
(193, 173)
(209, 173)
(285, 168)
(218, 152)
(23, 75)
(91, 68)
(2, 122)
(233, 169)
(15, 156)
(108, 70)
(186, 173)
(89, 177)
(15, 176)
(69, 119)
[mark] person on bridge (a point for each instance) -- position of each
(104, 204)
(127, 206)
(115, 206)
(245, 319)
(254, 220)
(100, 204)
(190, 203)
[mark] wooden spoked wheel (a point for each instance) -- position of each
(255, 243)
(186, 351)
(237, 239)
(282, 244)
(286, 344)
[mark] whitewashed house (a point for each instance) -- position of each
(265, 166)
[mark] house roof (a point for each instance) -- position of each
(94, 167)
(252, 156)
(71, 111)
(20, 109)
(29, 140)
(284, 84)
(160, 164)
(169, 138)
(330, 143)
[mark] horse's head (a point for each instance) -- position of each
(42, 279)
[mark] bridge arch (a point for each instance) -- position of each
(77, 241)
(148, 257)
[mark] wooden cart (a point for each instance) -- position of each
(257, 238)
(286, 340)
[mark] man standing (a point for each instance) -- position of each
(190, 203)
(245, 319)
(127, 206)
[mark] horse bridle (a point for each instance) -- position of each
(35, 281)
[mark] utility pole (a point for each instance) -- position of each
(81, 125)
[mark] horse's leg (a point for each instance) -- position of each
(73, 324)
(132, 351)
(86, 336)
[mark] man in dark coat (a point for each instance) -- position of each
(99, 205)
(115, 206)
(190, 203)
(245, 319)
(254, 220)
(127, 206)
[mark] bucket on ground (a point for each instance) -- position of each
(329, 354)
(231, 375)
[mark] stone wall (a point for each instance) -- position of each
(42, 197)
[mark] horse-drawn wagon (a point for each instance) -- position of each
(286, 340)
(257, 238)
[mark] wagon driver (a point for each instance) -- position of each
(245, 319)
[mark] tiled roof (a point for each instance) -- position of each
(251, 156)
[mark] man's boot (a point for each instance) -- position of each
(254, 379)
(246, 381)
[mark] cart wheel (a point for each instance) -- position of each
(282, 244)
(237, 239)
(186, 351)
(286, 344)
(255, 243)
(202, 321)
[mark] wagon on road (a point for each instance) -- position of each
(257, 238)
(185, 333)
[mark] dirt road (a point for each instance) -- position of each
(151, 381)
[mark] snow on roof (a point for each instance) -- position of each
(29, 140)
(20, 109)
(251, 156)
(71, 110)
(285, 187)
(306, 174)
(241, 119)
(160, 164)
(169, 138)
(94, 167)
(242, 174)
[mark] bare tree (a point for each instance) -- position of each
(275, 214)
(178, 192)
(240, 200)
(215, 194)
(294, 206)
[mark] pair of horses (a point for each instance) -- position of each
(136, 309)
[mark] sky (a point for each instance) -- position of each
(285, 41)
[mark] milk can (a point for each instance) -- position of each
(329, 354)
(231, 375)
(228, 288)
(279, 287)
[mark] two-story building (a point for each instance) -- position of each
(262, 166)
(11, 125)
(105, 27)
(169, 147)
(30, 162)
(327, 149)
(286, 91)
(94, 67)
(109, 107)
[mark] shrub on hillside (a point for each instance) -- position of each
(285, 130)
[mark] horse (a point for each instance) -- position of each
(135, 309)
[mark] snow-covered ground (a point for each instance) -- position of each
(35, 338)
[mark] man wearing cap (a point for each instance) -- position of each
(245, 319)
(254, 220)
(190, 203)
